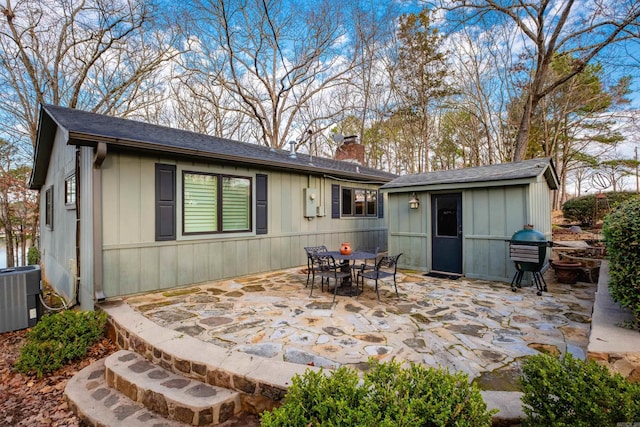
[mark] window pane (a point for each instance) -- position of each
(447, 217)
(200, 203)
(70, 190)
(359, 202)
(347, 201)
(235, 204)
(48, 202)
(372, 203)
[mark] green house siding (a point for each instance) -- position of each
(59, 254)
(135, 262)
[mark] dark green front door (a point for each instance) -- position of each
(446, 232)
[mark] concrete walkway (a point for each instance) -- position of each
(478, 327)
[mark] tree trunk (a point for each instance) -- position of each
(522, 137)
(9, 246)
(23, 247)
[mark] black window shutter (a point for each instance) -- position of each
(380, 205)
(261, 204)
(165, 202)
(335, 201)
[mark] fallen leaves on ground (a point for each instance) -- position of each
(29, 401)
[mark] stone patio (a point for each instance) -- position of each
(479, 327)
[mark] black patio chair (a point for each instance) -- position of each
(355, 267)
(328, 269)
(310, 250)
(386, 267)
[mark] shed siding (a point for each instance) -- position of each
(408, 230)
(541, 207)
(57, 245)
(134, 262)
(491, 216)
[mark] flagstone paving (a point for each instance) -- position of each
(475, 326)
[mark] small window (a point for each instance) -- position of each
(359, 202)
(372, 203)
(70, 190)
(347, 202)
(48, 202)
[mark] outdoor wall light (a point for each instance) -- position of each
(414, 202)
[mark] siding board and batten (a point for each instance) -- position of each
(497, 201)
(138, 183)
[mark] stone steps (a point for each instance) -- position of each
(126, 389)
(96, 404)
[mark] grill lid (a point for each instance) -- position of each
(528, 234)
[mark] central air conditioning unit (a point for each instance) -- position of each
(20, 289)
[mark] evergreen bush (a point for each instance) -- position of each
(58, 339)
(571, 392)
(33, 256)
(621, 231)
(386, 396)
(582, 209)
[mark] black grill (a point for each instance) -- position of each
(528, 251)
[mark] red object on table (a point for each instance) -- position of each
(345, 248)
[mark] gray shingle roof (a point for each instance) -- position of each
(525, 169)
(84, 127)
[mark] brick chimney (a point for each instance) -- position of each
(351, 150)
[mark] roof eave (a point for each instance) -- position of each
(79, 138)
(42, 151)
(455, 185)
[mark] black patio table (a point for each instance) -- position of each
(347, 288)
(354, 255)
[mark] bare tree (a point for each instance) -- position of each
(549, 28)
(275, 61)
(17, 205)
(97, 55)
(484, 85)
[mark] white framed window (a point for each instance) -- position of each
(214, 203)
(70, 190)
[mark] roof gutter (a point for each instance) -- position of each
(98, 158)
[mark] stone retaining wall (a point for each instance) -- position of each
(610, 343)
(255, 397)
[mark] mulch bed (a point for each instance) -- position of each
(29, 401)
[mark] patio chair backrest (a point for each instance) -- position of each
(389, 262)
(315, 249)
(312, 250)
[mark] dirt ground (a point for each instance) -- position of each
(29, 401)
(563, 232)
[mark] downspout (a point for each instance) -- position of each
(78, 228)
(98, 158)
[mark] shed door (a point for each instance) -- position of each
(446, 232)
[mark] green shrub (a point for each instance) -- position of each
(33, 256)
(388, 395)
(571, 392)
(59, 338)
(581, 209)
(621, 231)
